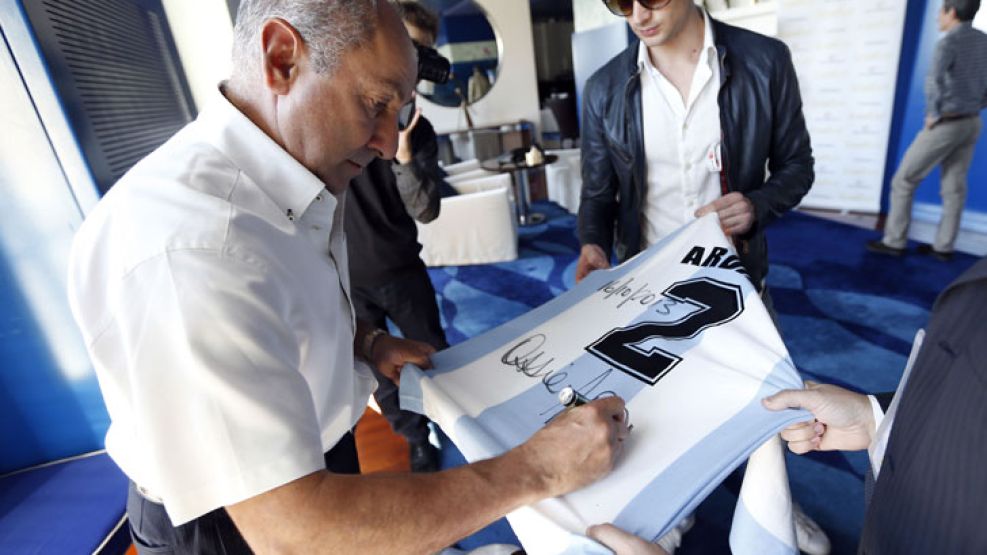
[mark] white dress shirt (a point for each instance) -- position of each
(681, 142)
(211, 288)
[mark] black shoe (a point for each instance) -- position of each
(424, 456)
(879, 247)
(926, 249)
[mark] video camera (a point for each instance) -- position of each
(433, 67)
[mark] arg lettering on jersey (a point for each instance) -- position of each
(680, 333)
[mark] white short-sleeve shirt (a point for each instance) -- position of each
(211, 288)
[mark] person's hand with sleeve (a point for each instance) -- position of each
(389, 354)
(844, 420)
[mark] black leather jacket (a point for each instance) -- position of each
(763, 129)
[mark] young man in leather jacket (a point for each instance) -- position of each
(695, 117)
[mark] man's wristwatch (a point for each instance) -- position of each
(368, 343)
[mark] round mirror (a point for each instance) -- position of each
(468, 41)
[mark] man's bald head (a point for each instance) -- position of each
(325, 79)
(328, 27)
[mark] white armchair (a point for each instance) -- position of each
(564, 178)
(469, 175)
(460, 167)
(475, 227)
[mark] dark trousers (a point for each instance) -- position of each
(408, 300)
(212, 533)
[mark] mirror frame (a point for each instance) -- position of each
(498, 39)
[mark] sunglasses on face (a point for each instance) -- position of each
(625, 8)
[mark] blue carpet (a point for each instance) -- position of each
(848, 317)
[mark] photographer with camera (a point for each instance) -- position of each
(388, 277)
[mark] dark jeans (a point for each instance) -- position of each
(212, 533)
(408, 300)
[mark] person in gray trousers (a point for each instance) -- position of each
(956, 91)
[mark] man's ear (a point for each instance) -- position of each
(284, 52)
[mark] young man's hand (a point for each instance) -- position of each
(736, 213)
(591, 258)
(844, 419)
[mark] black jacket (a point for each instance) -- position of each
(762, 125)
(929, 496)
(382, 205)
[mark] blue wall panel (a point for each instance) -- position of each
(50, 403)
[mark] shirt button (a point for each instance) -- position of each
(318, 198)
(688, 167)
(317, 227)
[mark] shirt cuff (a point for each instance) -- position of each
(875, 407)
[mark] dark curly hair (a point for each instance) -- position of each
(965, 9)
(419, 16)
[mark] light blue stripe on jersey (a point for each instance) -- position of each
(747, 534)
(700, 469)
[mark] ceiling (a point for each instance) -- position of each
(540, 9)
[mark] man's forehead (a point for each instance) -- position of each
(394, 67)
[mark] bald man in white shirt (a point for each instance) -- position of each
(211, 288)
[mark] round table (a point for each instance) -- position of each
(519, 177)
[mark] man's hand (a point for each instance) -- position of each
(621, 542)
(931, 121)
(389, 354)
(579, 446)
(844, 419)
(404, 153)
(591, 258)
(736, 213)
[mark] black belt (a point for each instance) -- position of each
(954, 117)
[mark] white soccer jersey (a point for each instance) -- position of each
(680, 333)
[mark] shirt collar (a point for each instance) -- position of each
(959, 26)
(708, 52)
(289, 184)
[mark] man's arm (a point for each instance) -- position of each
(790, 161)
(598, 198)
(934, 83)
(416, 169)
(422, 513)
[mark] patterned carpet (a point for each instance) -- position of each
(847, 316)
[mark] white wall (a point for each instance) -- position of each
(591, 14)
(515, 94)
(203, 36)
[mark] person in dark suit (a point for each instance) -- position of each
(931, 483)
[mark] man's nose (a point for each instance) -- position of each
(640, 14)
(385, 138)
